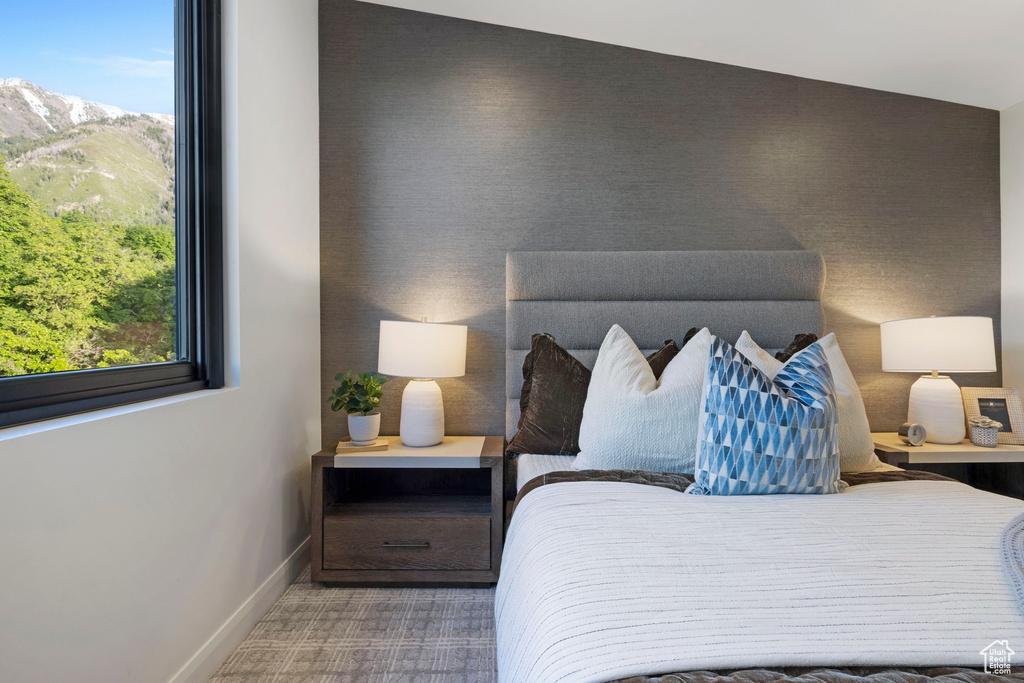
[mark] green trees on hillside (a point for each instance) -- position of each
(112, 170)
(78, 294)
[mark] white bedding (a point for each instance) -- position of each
(603, 580)
(530, 465)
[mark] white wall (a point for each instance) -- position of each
(1011, 171)
(130, 537)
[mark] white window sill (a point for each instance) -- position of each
(19, 431)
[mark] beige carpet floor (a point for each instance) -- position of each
(369, 635)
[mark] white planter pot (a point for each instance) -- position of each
(364, 429)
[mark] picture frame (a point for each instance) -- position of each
(1000, 404)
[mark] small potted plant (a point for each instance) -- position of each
(359, 396)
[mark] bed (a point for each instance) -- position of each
(622, 576)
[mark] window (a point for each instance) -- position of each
(110, 220)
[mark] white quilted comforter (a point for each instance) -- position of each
(604, 580)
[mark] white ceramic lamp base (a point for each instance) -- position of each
(422, 414)
(936, 404)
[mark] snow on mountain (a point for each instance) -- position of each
(163, 118)
(37, 106)
(30, 111)
(112, 111)
(77, 105)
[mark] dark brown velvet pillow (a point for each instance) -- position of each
(799, 343)
(660, 359)
(554, 391)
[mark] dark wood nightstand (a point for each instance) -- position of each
(409, 516)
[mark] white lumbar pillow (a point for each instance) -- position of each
(856, 447)
(632, 420)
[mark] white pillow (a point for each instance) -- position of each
(631, 421)
(856, 447)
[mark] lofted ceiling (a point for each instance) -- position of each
(965, 51)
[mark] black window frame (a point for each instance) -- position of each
(199, 229)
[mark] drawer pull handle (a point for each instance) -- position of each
(389, 544)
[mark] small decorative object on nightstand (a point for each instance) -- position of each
(949, 344)
(347, 447)
(409, 516)
(912, 434)
(985, 432)
(423, 351)
(359, 398)
(1001, 405)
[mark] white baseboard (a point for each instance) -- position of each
(203, 663)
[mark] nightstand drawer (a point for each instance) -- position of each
(357, 542)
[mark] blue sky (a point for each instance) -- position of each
(118, 52)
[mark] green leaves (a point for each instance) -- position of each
(359, 395)
(78, 294)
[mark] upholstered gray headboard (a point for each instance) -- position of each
(654, 295)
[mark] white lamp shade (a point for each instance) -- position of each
(422, 350)
(948, 344)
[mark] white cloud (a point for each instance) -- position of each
(132, 67)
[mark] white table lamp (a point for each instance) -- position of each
(933, 345)
(423, 351)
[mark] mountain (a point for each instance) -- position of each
(30, 111)
(70, 153)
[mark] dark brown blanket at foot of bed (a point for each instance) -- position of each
(679, 482)
(840, 675)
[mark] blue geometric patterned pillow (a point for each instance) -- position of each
(760, 436)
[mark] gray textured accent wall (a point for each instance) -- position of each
(447, 143)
